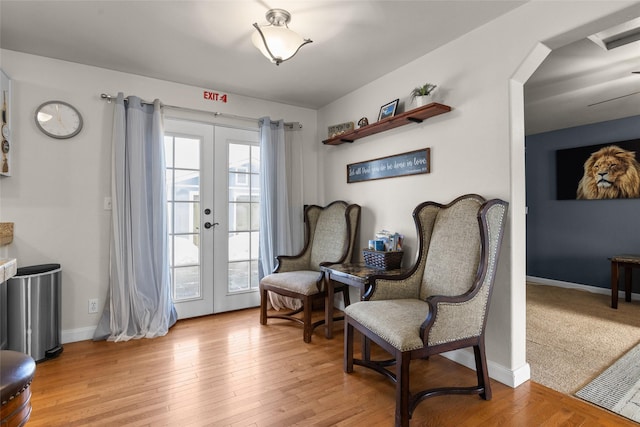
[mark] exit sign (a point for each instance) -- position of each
(215, 96)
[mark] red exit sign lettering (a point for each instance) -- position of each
(215, 96)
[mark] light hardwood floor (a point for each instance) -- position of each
(228, 370)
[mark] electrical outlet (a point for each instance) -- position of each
(93, 305)
(106, 204)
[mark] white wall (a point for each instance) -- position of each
(476, 148)
(55, 196)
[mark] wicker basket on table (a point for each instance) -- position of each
(385, 260)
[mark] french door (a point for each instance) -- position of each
(213, 197)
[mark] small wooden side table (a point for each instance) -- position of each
(356, 275)
(628, 262)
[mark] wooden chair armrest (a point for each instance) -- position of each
(393, 287)
(291, 263)
(452, 318)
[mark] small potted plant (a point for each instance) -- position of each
(421, 94)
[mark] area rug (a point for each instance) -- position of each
(617, 388)
(574, 335)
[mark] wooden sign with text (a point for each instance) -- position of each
(411, 163)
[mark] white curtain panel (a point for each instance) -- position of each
(275, 232)
(295, 186)
(139, 300)
(276, 222)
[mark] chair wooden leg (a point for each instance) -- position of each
(263, 306)
(345, 296)
(627, 283)
(328, 308)
(614, 284)
(348, 347)
(402, 389)
(481, 370)
(365, 345)
(308, 327)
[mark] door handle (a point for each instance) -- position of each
(208, 225)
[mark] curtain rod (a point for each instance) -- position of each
(292, 125)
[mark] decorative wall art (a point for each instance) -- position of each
(603, 171)
(388, 110)
(411, 163)
(5, 104)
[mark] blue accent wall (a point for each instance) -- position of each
(571, 240)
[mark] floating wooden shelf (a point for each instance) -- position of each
(416, 115)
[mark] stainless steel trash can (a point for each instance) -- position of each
(33, 311)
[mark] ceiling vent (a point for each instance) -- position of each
(617, 36)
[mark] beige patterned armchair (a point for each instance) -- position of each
(440, 305)
(330, 236)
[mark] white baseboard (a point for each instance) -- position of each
(511, 378)
(570, 285)
(75, 335)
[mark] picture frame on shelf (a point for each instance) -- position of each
(339, 129)
(388, 109)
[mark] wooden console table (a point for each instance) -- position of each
(356, 275)
(628, 262)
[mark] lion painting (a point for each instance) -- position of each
(610, 173)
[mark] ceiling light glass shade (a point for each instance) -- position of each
(276, 41)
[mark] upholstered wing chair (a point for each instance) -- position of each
(330, 236)
(440, 305)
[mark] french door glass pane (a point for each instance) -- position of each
(240, 212)
(186, 184)
(168, 151)
(255, 159)
(244, 223)
(255, 283)
(187, 156)
(239, 157)
(187, 251)
(183, 206)
(185, 217)
(169, 183)
(255, 216)
(238, 276)
(255, 186)
(238, 246)
(186, 283)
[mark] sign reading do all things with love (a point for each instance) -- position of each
(411, 163)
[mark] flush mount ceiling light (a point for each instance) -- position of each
(276, 41)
